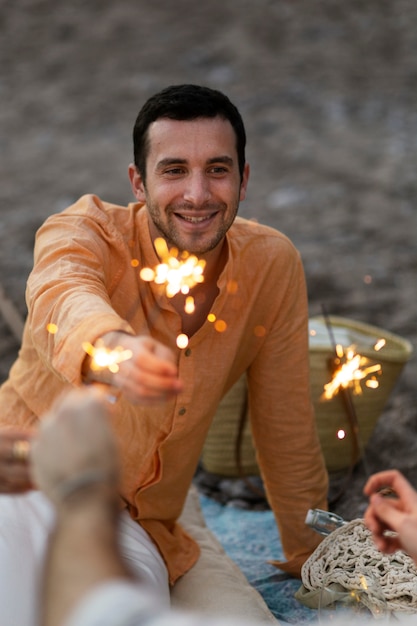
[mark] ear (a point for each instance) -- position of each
(136, 183)
(244, 183)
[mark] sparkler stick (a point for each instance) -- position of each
(346, 397)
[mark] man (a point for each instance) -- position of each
(250, 315)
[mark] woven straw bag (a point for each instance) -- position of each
(219, 453)
(331, 415)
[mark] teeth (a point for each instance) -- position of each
(194, 220)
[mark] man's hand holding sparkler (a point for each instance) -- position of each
(392, 512)
(143, 369)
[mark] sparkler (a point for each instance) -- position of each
(106, 358)
(101, 357)
(178, 272)
(349, 370)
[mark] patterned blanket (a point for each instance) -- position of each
(251, 538)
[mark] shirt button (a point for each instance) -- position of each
(187, 352)
(182, 411)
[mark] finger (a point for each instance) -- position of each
(147, 363)
(392, 479)
(376, 481)
(14, 444)
(14, 478)
(386, 544)
(165, 354)
(155, 357)
(153, 381)
(387, 511)
(383, 541)
(15, 454)
(140, 394)
(151, 385)
(9, 489)
(372, 521)
(11, 475)
(20, 451)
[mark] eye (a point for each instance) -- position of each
(218, 170)
(174, 171)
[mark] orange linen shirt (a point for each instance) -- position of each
(86, 281)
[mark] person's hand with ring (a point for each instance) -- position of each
(14, 457)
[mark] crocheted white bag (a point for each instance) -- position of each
(345, 554)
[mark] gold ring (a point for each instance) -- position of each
(20, 450)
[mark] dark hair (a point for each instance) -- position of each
(185, 102)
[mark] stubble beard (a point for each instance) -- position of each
(198, 244)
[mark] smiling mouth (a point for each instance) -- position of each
(195, 220)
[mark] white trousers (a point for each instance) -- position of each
(25, 524)
(119, 603)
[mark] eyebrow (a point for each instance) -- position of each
(227, 160)
(221, 159)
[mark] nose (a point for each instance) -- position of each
(197, 188)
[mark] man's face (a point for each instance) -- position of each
(193, 187)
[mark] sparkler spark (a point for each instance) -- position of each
(106, 358)
(178, 272)
(182, 341)
(352, 368)
(189, 305)
(379, 344)
(364, 582)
